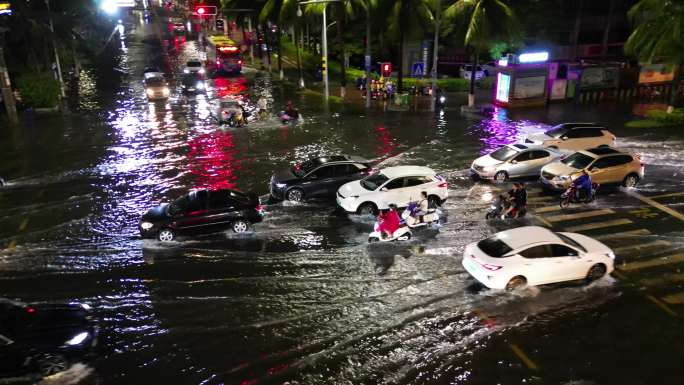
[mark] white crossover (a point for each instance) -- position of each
(194, 66)
(398, 185)
(573, 136)
(533, 255)
(513, 161)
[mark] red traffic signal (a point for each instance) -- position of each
(386, 69)
(205, 10)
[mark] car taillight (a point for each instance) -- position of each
(218, 62)
(259, 208)
(443, 184)
(442, 181)
(30, 310)
(240, 62)
(487, 266)
(368, 171)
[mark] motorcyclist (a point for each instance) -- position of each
(291, 111)
(262, 106)
(517, 199)
(582, 185)
(388, 221)
(423, 207)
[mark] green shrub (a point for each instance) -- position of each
(486, 83)
(38, 90)
(674, 118)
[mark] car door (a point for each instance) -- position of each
(519, 164)
(391, 192)
(222, 210)
(538, 159)
(342, 173)
(193, 216)
(537, 266)
(414, 185)
(617, 168)
(316, 182)
(566, 263)
(602, 170)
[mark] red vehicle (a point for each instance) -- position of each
(224, 54)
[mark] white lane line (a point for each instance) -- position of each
(667, 195)
(640, 246)
(667, 278)
(674, 299)
(667, 260)
(624, 234)
(547, 209)
(540, 199)
(599, 225)
(655, 204)
(580, 215)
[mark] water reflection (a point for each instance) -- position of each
(212, 160)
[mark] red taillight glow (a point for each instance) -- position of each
(259, 208)
(240, 62)
(443, 184)
(30, 309)
(228, 49)
(218, 62)
(487, 266)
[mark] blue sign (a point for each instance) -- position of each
(367, 62)
(418, 69)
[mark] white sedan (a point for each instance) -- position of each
(194, 66)
(533, 255)
(399, 185)
(513, 161)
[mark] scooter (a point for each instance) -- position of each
(414, 221)
(502, 204)
(403, 233)
(570, 196)
(285, 118)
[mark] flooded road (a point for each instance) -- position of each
(304, 299)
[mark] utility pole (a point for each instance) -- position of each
(5, 84)
(367, 59)
(324, 41)
(438, 14)
(62, 94)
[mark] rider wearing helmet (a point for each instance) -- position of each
(583, 185)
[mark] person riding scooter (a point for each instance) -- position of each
(583, 185)
(389, 221)
(423, 207)
(517, 198)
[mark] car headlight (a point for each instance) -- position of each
(563, 177)
(611, 255)
(280, 185)
(200, 85)
(201, 70)
(166, 91)
(489, 169)
(149, 92)
(146, 225)
(77, 339)
(186, 71)
(442, 99)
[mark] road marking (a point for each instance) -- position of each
(12, 245)
(622, 249)
(619, 275)
(667, 278)
(661, 305)
(523, 357)
(625, 234)
(583, 214)
(667, 195)
(547, 209)
(674, 299)
(599, 225)
(655, 204)
(544, 221)
(540, 199)
(675, 258)
(23, 224)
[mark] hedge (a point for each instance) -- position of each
(659, 118)
(38, 90)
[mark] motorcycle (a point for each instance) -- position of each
(501, 205)
(412, 220)
(403, 233)
(285, 118)
(570, 196)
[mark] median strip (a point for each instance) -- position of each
(599, 225)
(580, 215)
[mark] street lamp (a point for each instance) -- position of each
(324, 41)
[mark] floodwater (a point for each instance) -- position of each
(303, 299)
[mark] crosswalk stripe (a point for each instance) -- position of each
(668, 278)
(624, 234)
(674, 299)
(547, 209)
(540, 199)
(622, 249)
(667, 195)
(599, 225)
(676, 258)
(583, 214)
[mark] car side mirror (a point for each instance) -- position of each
(383, 189)
(564, 138)
(514, 161)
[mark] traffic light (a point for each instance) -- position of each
(205, 10)
(386, 69)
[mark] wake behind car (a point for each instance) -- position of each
(513, 161)
(399, 185)
(318, 177)
(605, 165)
(573, 136)
(202, 211)
(533, 255)
(44, 338)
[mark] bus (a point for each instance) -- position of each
(224, 54)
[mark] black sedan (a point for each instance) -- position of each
(44, 339)
(193, 83)
(318, 178)
(202, 211)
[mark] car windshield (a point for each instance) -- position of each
(556, 132)
(372, 182)
(302, 169)
(571, 242)
(194, 64)
(494, 247)
(155, 82)
(504, 153)
(577, 160)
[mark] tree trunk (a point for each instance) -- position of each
(606, 31)
(403, 16)
(343, 51)
(299, 57)
(280, 54)
(676, 85)
(435, 47)
(576, 31)
(368, 55)
(473, 71)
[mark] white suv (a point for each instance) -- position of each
(399, 185)
(574, 136)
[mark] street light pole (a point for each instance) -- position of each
(324, 43)
(5, 84)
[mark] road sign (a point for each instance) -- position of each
(418, 69)
(367, 62)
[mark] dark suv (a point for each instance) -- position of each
(202, 211)
(318, 178)
(43, 339)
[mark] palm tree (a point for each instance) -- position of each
(483, 23)
(282, 13)
(407, 17)
(657, 35)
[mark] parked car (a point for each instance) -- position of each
(533, 255)
(513, 161)
(606, 166)
(466, 70)
(44, 339)
(192, 83)
(399, 185)
(573, 136)
(156, 88)
(318, 177)
(202, 211)
(490, 68)
(194, 66)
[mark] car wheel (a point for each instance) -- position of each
(240, 226)
(367, 209)
(434, 201)
(596, 272)
(516, 283)
(501, 176)
(166, 235)
(603, 146)
(564, 202)
(295, 195)
(50, 364)
(630, 180)
(490, 215)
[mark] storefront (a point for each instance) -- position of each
(522, 80)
